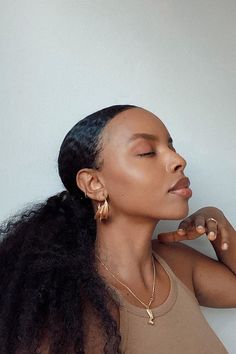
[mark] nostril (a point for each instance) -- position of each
(178, 167)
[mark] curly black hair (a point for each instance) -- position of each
(50, 291)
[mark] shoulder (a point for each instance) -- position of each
(176, 254)
(179, 258)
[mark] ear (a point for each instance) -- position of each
(90, 182)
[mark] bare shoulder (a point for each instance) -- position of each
(195, 270)
(179, 258)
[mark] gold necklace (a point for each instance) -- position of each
(149, 311)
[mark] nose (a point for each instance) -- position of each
(176, 162)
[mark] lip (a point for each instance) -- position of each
(183, 192)
(183, 182)
(181, 188)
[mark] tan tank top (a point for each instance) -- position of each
(179, 325)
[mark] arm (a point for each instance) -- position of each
(214, 281)
(227, 235)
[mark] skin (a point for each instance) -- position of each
(136, 188)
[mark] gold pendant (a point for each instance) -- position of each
(151, 317)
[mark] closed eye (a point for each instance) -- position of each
(147, 153)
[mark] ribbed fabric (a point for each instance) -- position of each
(180, 327)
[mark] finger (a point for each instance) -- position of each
(200, 224)
(212, 229)
(185, 225)
(224, 240)
(192, 234)
(172, 236)
(190, 224)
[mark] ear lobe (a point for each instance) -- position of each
(90, 183)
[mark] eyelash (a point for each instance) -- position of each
(147, 153)
(153, 152)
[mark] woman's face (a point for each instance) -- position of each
(140, 166)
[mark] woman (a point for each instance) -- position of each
(80, 273)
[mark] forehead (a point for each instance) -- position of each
(133, 121)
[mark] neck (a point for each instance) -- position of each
(125, 247)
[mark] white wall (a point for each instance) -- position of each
(61, 60)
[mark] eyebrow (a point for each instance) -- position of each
(147, 136)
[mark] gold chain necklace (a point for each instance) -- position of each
(149, 311)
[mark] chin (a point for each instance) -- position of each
(182, 214)
(177, 214)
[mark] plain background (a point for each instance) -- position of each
(61, 60)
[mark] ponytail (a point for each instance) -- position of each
(48, 280)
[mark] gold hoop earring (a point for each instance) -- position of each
(102, 211)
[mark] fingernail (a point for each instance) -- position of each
(181, 231)
(225, 246)
(212, 235)
(200, 227)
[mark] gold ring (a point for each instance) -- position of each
(212, 219)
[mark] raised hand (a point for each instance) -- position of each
(208, 220)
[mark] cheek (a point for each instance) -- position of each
(133, 187)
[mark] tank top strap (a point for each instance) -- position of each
(173, 275)
(164, 264)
